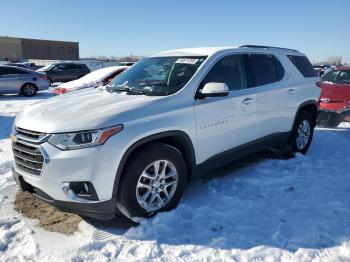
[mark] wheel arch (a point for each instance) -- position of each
(310, 106)
(178, 139)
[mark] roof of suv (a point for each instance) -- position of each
(68, 62)
(208, 51)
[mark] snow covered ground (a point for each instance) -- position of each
(259, 209)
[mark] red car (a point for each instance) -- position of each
(335, 97)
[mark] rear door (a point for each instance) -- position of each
(81, 70)
(10, 80)
(224, 123)
(59, 73)
(276, 101)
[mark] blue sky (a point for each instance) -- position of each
(318, 28)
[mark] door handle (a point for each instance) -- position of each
(291, 91)
(247, 101)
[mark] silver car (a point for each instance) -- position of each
(21, 81)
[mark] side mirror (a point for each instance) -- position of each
(213, 89)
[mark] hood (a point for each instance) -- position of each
(77, 84)
(335, 92)
(81, 110)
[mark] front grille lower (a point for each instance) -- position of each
(26, 150)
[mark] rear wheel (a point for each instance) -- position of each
(50, 81)
(29, 90)
(153, 181)
(301, 136)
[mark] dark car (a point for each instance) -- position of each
(64, 72)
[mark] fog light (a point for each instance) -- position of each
(80, 188)
(80, 191)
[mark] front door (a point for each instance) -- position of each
(227, 122)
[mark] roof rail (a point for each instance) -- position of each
(268, 47)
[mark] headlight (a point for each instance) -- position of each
(13, 130)
(83, 139)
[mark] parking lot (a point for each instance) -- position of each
(260, 208)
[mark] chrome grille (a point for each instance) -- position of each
(26, 150)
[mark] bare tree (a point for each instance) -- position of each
(335, 60)
(128, 58)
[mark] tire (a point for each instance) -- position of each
(130, 193)
(301, 136)
(50, 81)
(29, 90)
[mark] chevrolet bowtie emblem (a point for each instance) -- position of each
(13, 138)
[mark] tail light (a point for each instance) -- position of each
(43, 77)
(60, 91)
(318, 83)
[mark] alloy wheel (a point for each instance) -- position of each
(29, 90)
(156, 185)
(303, 134)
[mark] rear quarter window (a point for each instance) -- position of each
(303, 65)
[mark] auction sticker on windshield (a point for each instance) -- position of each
(191, 61)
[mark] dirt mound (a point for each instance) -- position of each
(50, 218)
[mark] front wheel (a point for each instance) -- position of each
(154, 180)
(301, 136)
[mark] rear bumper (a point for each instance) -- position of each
(332, 118)
(104, 210)
(42, 85)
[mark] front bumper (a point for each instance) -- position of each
(103, 210)
(97, 165)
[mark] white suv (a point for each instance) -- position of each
(134, 144)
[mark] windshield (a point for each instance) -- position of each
(337, 77)
(46, 68)
(157, 76)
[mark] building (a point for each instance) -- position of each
(16, 49)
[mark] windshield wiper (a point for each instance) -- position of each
(125, 89)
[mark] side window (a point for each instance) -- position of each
(71, 67)
(303, 64)
(229, 70)
(266, 69)
(10, 71)
(111, 76)
(77, 66)
(59, 67)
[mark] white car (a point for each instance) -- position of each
(96, 78)
(133, 145)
